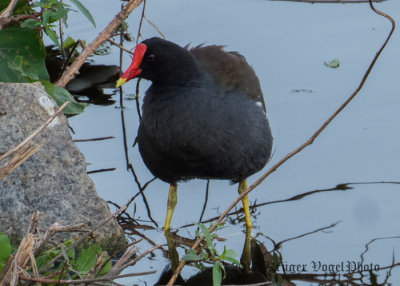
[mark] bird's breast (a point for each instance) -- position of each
(203, 133)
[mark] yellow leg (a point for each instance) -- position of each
(245, 260)
(172, 252)
(172, 200)
(245, 201)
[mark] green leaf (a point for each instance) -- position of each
(86, 260)
(5, 250)
(45, 258)
(230, 255)
(223, 253)
(332, 64)
(193, 257)
(124, 25)
(217, 273)
(199, 265)
(107, 267)
(57, 12)
(84, 11)
(53, 36)
(65, 253)
(17, 65)
(21, 53)
(207, 236)
(30, 24)
(69, 42)
(46, 17)
(61, 95)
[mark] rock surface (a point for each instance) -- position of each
(52, 181)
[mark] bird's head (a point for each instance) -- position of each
(158, 60)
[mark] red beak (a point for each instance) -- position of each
(133, 70)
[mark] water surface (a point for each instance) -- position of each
(287, 44)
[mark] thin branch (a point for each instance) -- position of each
(139, 32)
(22, 154)
(56, 228)
(298, 149)
(24, 150)
(101, 170)
(102, 37)
(124, 263)
(35, 133)
(69, 56)
(17, 19)
(7, 13)
(155, 27)
(83, 237)
(94, 139)
(279, 244)
(119, 46)
(141, 256)
(205, 201)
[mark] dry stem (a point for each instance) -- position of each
(102, 37)
(36, 132)
(25, 149)
(7, 13)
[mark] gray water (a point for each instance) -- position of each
(287, 44)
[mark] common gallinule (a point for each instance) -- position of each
(203, 117)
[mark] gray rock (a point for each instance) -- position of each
(52, 181)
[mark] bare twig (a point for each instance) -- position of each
(7, 13)
(141, 256)
(101, 170)
(279, 244)
(20, 259)
(139, 32)
(25, 149)
(154, 26)
(83, 237)
(20, 156)
(118, 267)
(98, 266)
(35, 133)
(102, 37)
(205, 201)
(119, 46)
(56, 228)
(298, 149)
(94, 139)
(17, 19)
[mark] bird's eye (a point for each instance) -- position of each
(151, 57)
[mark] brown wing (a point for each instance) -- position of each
(229, 70)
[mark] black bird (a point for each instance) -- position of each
(203, 117)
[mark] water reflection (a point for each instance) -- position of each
(297, 221)
(89, 84)
(270, 265)
(276, 267)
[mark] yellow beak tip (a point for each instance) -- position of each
(120, 82)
